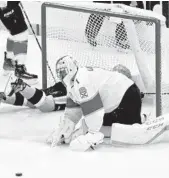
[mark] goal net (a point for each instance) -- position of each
(105, 36)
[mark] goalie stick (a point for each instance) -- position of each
(23, 9)
(109, 142)
(154, 130)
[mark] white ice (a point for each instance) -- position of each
(23, 132)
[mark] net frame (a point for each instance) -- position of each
(154, 20)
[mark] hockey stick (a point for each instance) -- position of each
(10, 76)
(23, 9)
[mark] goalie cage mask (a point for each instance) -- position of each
(66, 69)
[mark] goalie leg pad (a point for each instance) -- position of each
(154, 131)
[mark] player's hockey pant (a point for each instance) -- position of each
(128, 111)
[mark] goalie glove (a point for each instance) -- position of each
(63, 134)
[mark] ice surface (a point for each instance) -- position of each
(23, 132)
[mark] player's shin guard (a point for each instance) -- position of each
(9, 63)
(20, 47)
(20, 51)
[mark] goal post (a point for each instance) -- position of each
(57, 25)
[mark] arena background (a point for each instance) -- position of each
(161, 7)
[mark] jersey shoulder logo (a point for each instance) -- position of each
(83, 92)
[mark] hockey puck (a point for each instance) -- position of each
(18, 174)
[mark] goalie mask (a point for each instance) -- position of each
(66, 69)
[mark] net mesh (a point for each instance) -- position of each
(103, 41)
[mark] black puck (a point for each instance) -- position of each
(18, 174)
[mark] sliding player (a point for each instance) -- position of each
(50, 99)
(24, 95)
(18, 98)
(17, 42)
(102, 97)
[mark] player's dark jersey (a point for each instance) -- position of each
(12, 18)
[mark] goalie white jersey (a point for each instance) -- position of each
(96, 88)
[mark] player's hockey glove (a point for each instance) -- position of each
(18, 85)
(62, 134)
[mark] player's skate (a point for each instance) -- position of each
(84, 142)
(21, 72)
(18, 85)
(8, 65)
